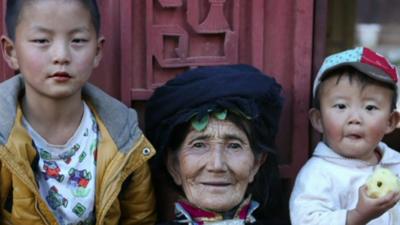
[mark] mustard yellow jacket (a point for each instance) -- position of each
(124, 193)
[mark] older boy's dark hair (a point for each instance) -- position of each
(14, 8)
(353, 74)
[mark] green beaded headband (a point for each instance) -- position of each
(199, 124)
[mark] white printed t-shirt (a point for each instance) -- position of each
(66, 173)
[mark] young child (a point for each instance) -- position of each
(69, 153)
(355, 97)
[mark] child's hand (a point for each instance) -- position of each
(368, 208)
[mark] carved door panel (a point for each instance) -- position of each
(180, 35)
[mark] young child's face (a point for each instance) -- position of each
(354, 118)
(55, 47)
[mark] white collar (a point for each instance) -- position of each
(389, 156)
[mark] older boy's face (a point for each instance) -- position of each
(354, 119)
(56, 47)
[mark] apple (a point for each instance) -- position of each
(381, 182)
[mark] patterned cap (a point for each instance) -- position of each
(363, 59)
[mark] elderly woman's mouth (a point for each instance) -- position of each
(216, 184)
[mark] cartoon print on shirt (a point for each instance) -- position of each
(66, 156)
(44, 154)
(79, 209)
(93, 146)
(55, 200)
(93, 151)
(79, 179)
(86, 133)
(95, 128)
(52, 170)
(82, 156)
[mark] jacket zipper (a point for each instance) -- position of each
(108, 204)
(44, 219)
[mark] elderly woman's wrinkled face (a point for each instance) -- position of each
(215, 166)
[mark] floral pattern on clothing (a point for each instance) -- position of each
(186, 213)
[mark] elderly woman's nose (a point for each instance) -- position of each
(217, 159)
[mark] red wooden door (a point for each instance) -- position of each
(150, 41)
(161, 38)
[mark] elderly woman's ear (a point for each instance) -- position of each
(258, 161)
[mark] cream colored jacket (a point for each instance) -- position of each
(327, 187)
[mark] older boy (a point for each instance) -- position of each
(69, 154)
(355, 97)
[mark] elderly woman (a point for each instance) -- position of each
(214, 129)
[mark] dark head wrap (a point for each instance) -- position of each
(237, 88)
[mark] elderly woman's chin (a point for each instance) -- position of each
(217, 198)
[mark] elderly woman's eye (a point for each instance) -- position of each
(234, 146)
(198, 145)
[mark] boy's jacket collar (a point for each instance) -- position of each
(120, 121)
